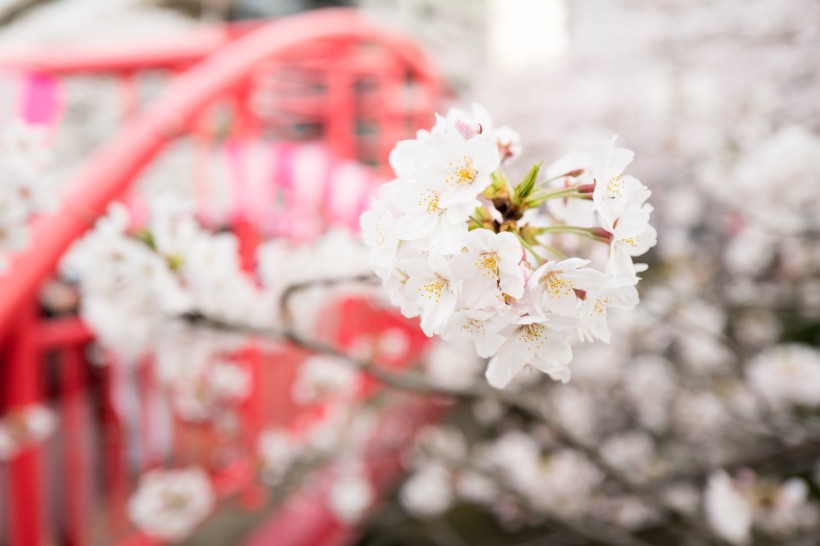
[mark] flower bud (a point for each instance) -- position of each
(601, 233)
(581, 294)
(468, 130)
(524, 189)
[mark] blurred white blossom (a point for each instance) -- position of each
(169, 504)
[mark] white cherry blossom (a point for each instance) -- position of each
(627, 244)
(728, 512)
(323, 377)
(351, 494)
(428, 492)
(618, 292)
(478, 121)
(169, 504)
(459, 169)
(530, 344)
(555, 285)
(379, 234)
(490, 263)
(425, 221)
(278, 450)
(611, 186)
(22, 427)
(435, 285)
(25, 187)
(787, 375)
(482, 326)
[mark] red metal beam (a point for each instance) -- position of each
(110, 172)
(75, 432)
(23, 386)
(171, 54)
(62, 332)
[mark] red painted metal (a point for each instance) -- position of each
(61, 332)
(170, 54)
(23, 386)
(210, 67)
(76, 440)
(110, 172)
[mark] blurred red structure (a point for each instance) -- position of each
(328, 76)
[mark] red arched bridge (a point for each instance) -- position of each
(327, 80)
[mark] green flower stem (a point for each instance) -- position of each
(568, 193)
(574, 230)
(558, 177)
(563, 229)
(538, 258)
(557, 253)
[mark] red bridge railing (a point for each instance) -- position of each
(330, 76)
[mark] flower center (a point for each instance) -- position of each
(428, 200)
(487, 264)
(532, 334)
(379, 235)
(601, 305)
(432, 290)
(175, 501)
(556, 285)
(615, 186)
(473, 326)
(462, 172)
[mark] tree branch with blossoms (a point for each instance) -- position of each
(522, 272)
(417, 383)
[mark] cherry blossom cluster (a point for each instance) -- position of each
(137, 275)
(459, 246)
(24, 187)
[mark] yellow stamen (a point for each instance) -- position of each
(428, 200)
(601, 305)
(532, 335)
(487, 265)
(615, 185)
(461, 172)
(432, 290)
(473, 326)
(556, 285)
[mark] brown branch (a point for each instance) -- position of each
(414, 382)
(652, 496)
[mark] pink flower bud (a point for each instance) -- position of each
(582, 294)
(601, 233)
(468, 130)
